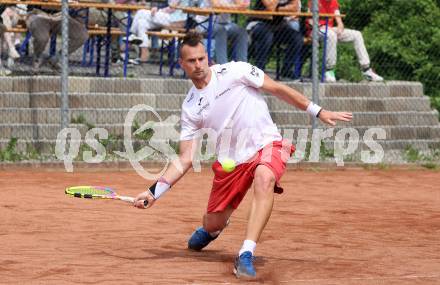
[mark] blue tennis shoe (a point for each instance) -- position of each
(200, 239)
(244, 266)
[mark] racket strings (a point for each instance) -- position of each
(90, 191)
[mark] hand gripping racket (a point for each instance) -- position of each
(98, 192)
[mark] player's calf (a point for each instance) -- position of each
(216, 222)
(200, 238)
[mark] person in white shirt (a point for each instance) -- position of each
(167, 17)
(8, 19)
(226, 102)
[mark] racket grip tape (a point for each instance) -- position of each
(126, 199)
(131, 200)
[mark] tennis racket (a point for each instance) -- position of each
(98, 192)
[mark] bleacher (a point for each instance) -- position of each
(30, 109)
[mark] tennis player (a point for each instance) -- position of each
(227, 99)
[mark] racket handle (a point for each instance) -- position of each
(126, 199)
(131, 200)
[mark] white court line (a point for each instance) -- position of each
(337, 279)
(363, 278)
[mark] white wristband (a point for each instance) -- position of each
(313, 109)
(160, 187)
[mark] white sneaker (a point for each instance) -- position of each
(370, 75)
(133, 61)
(135, 40)
(13, 53)
(10, 63)
(330, 76)
(4, 71)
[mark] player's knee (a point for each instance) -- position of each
(358, 36)
(264, 180)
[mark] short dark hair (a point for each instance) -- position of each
(192, 39)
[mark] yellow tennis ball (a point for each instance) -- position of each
(228, 165)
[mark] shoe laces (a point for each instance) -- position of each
(203, 235)
(247, 258)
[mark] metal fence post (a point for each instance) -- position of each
(65, 65)
(315, 51)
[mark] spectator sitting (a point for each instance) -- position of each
(155, 18)
(3, 71)
(43, 25)
(264, 32)
(225, 29)
(98, 18)
(340, 34)
(8, 19)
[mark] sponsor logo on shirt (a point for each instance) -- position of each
(254, 72)
(223, 93)
(223, 70)
(190, 98)
(203, 108)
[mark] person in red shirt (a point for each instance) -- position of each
(338, 33)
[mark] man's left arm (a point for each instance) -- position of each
(298, 100)
(338, 18)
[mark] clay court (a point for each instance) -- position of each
(344, 226)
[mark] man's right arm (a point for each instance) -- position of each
(339, 25)
(175, 171)
(298, 100)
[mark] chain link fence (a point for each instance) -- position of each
(113, 65)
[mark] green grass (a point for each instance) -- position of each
(430, 165)
(430, 160)
(411, 154)
(10, 153)
(81, 120)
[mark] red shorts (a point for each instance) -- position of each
(230, 188)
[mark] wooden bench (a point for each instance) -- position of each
(166, 35)
(16, 30)
(99, 32)
(92, 32)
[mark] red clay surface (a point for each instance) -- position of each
(329, 227)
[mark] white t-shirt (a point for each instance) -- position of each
(232, 108)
